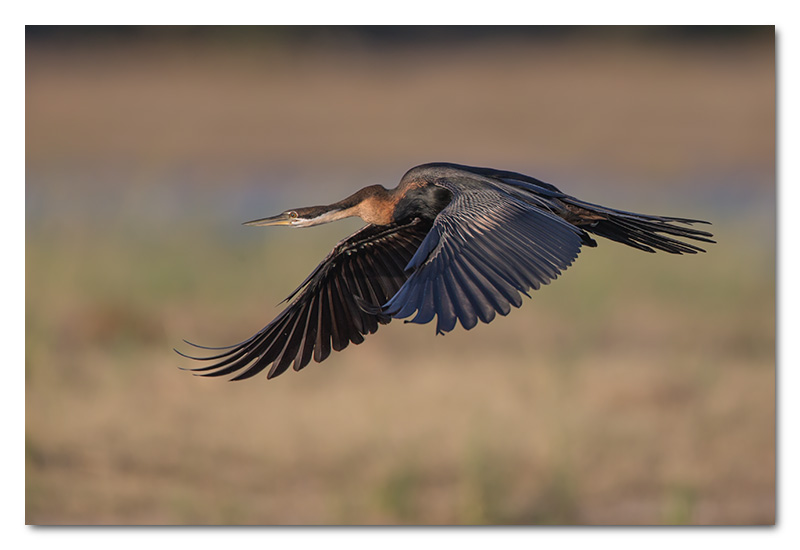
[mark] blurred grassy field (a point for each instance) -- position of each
(636, 389)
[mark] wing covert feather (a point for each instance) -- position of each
(484, 249)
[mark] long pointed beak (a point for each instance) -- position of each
(280, 219)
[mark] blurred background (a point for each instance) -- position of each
(636, 389)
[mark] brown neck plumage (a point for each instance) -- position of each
(374, 204)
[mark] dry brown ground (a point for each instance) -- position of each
(635, 389)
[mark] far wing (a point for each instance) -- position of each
(484, 249)
(329, 309)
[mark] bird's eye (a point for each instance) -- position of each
(292, 214)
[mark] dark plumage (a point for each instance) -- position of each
(453, 242)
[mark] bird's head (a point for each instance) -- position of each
(301, 217)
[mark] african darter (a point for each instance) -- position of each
(455, 242)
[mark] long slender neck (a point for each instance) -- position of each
(374, 204)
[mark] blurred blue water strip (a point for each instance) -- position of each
(162, 205)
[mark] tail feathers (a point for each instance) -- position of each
(642, 231)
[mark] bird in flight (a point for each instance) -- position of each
(453, 242)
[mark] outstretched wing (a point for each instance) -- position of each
(329, 308)
(485, 248)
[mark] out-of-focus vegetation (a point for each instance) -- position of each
(634, 389)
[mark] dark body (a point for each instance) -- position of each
(454, 242)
